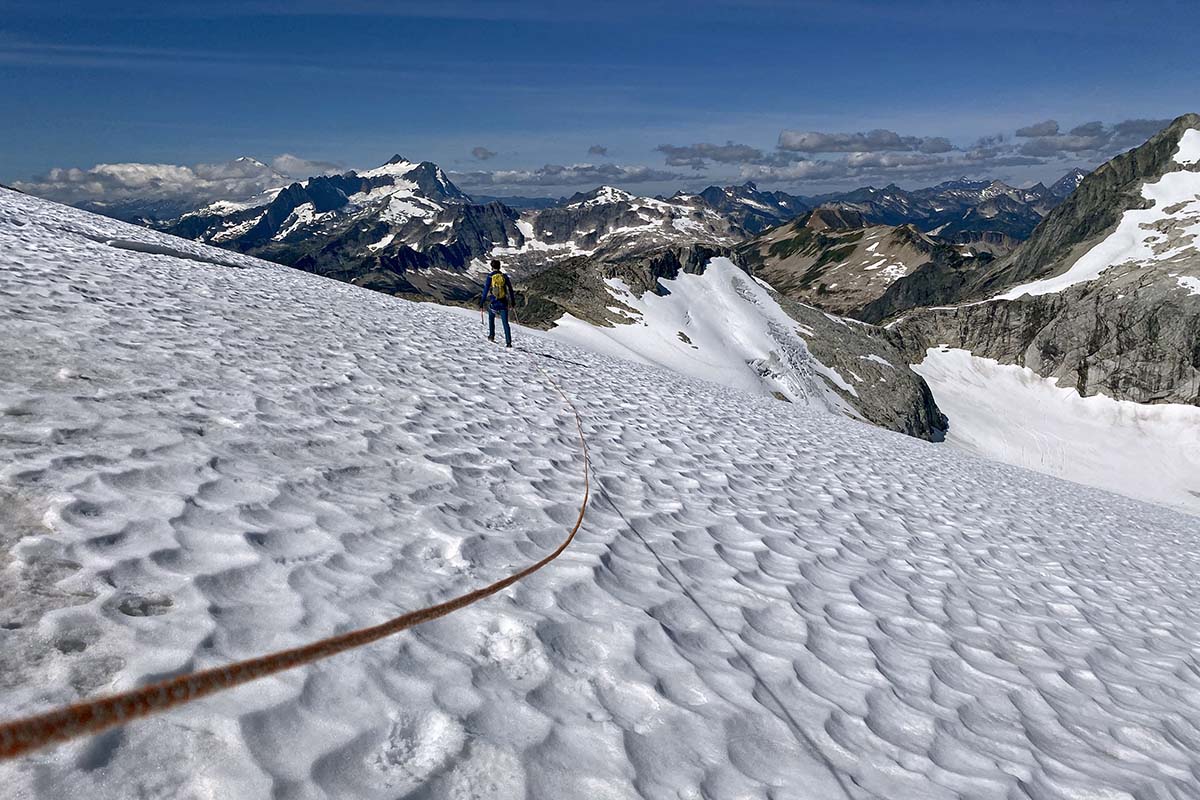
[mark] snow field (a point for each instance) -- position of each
(765, 600)
(1011, 414)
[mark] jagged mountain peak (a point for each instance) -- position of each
(833, 216)
(423, 178)
(1067, 183)
(958, 183)
(433, 182)
(751, 208)
(397, 166)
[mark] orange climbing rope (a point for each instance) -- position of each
(90, 717)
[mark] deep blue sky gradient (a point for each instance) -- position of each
(538, 82)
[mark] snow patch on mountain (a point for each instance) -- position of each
(1011, 414)
(1165, 232)
(301, 216)
(225, 207)
(1189, 147)
(534, 245)
(402, 207)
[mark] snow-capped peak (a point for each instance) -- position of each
(396, 166)
(250, 161)
(602, 195)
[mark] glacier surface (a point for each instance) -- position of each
(210, 457)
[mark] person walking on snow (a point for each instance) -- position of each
(498, 297)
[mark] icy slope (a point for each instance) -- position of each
(720, 326)
(1011, 414)
(203, 462)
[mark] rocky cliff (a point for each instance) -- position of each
(1104, 296)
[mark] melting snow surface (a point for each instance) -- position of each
(200, 463)
(1012, 414)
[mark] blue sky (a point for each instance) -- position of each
(530, 84)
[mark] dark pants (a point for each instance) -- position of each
(503, 314)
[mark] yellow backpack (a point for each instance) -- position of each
(499, 286)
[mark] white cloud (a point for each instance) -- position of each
(797, 170)
(559, 175)
(698, 155)
(892, 160)
(1047, 128)
(297, 167)
(238, 179)
(231, 180)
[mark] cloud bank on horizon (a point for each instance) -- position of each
(823, 158)
(802, 160)
(237, 179)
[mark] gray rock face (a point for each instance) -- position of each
(1132, 331)
(1131, 339)
(752, 210)
(890, 395)
(576, 285)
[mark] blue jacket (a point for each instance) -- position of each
(496, 303)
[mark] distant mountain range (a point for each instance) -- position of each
(990, 214)
(405, 228)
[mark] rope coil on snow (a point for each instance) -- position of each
(93, 716)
